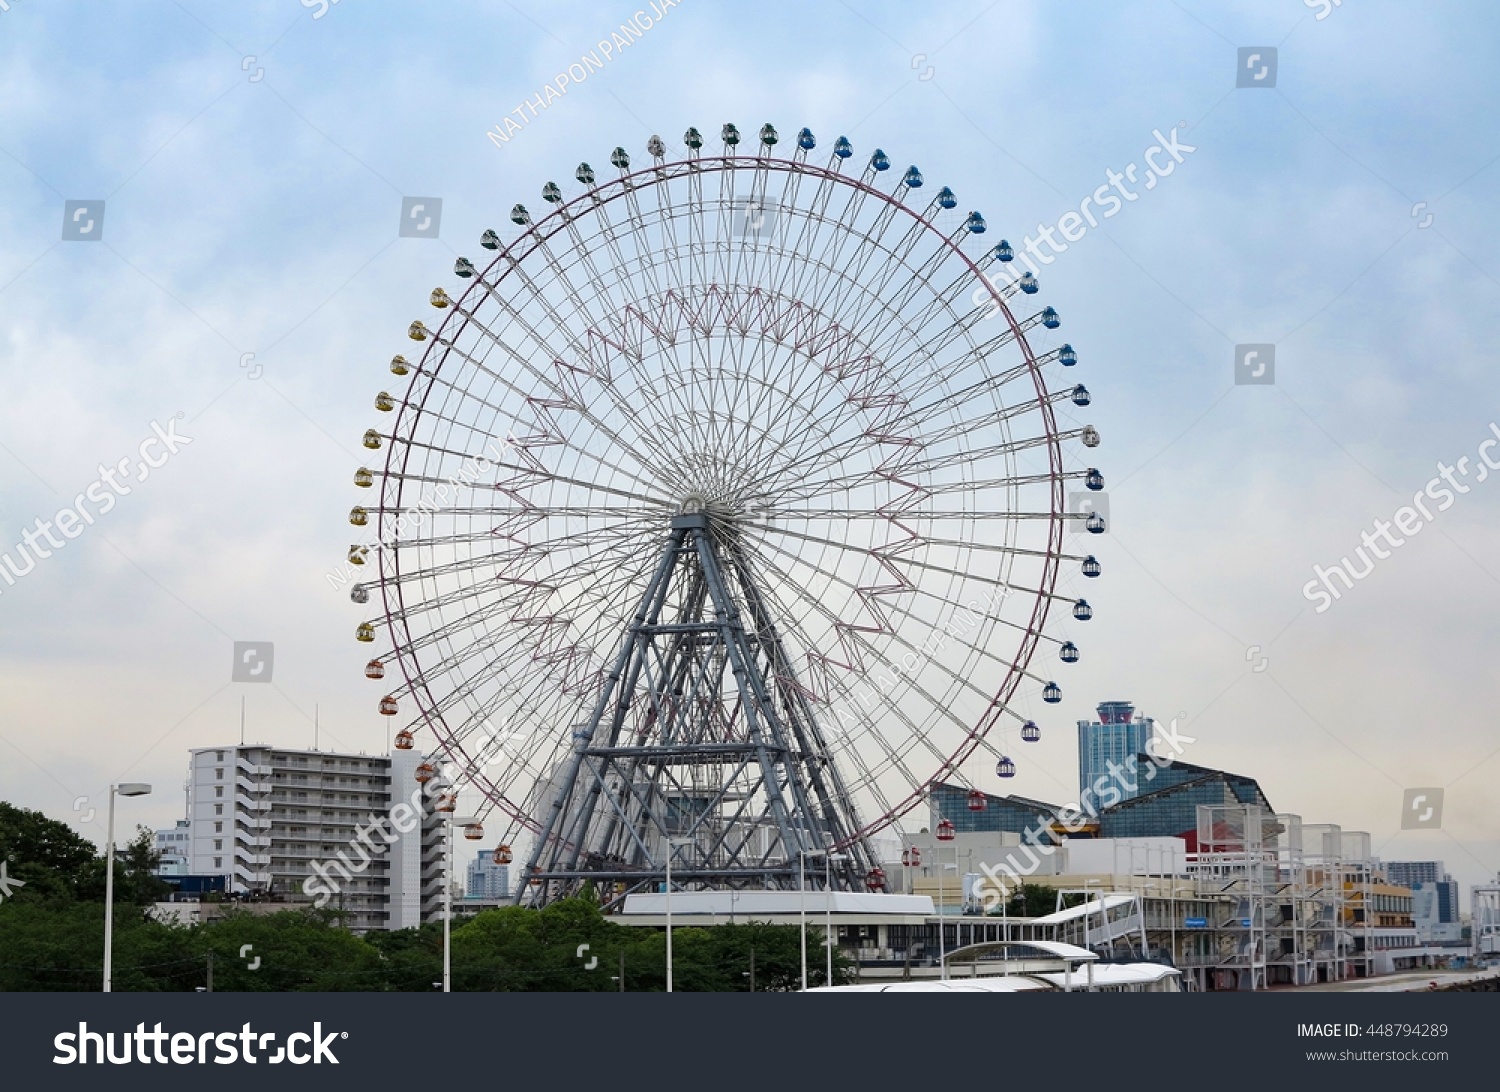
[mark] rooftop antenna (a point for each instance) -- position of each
(315, 726)
(242, 720)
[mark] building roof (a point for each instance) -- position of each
(988, 984)
(1246, 790)
(1168, 803)
(1114, 974)
(1074, 913)
(766, 905)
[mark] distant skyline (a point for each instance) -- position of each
(203, 236)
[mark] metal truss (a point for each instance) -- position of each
(701, 745)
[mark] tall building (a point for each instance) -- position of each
(355, 833)
(1114, 737)
(173, 845)
(1410, 873)
(1440, 890)
(488, 880)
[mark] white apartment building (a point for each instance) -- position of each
(172, 845)
(320, 827)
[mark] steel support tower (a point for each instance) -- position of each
(703, 745)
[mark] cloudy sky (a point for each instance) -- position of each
(244, 286)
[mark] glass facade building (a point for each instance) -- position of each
(1114, 737)
(1015, 814)
(1167, 804)
(488, 880)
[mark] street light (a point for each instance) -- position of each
(942, 940)
(802, 856)
(671, 842)
(828, 859)
(1086, 893)
(465, 821)
(802, 909)
(127, 788)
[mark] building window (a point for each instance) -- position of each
(218, 828)
(218, 790)
(218, 756)
(219, 773)
(218, 862)
(218, 843)
(218, 809)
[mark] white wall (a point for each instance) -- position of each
(1124, 856)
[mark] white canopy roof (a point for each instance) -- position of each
(751, 904)
(1075, 912)
(1011, 984)
(1117, 974)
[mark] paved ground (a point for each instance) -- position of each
(1404, 982)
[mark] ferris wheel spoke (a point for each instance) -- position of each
(844, 709)
(511, 562)
(560, 398)
(512, 443)
(579, 511)
(889, 607)
(560, 395)
(521, 592)
(520, 468)
(892, 708)
(891, 515)
(916, 465)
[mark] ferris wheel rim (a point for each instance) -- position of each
(508, 259)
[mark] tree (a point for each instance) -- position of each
(410, 959)
(290, 950)
(48, 857)
(1031, 900)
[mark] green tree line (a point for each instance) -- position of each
(52, 938)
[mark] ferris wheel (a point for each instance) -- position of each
(722, 513)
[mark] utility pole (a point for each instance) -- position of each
(622, 970)
(752, 968)
(210, 971)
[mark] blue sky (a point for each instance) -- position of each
(252, 208)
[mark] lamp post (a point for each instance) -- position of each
(942, 940)
(828, 859)
(802, 856)
(671, 844)
(802, 907)
(1086, 900)
(467, 820)
(127, 788)
(1005, 928)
